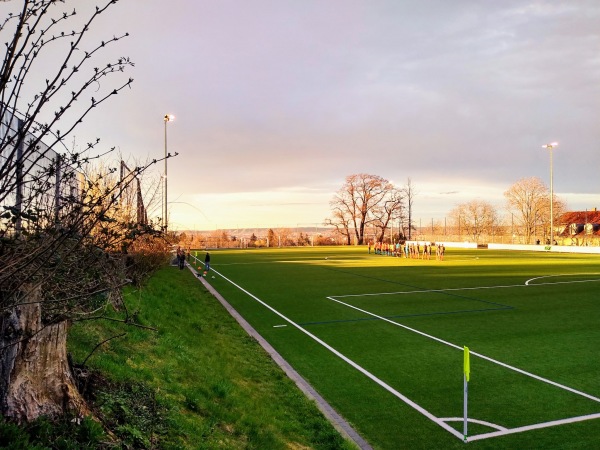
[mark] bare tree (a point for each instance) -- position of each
(528, 200)
(358, 204)
(342, 221)
(391, 209)
(476, 218)
(62, 244)
(410, 194)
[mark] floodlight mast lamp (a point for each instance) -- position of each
(550, 147)
(168, 118)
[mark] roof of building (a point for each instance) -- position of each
(580, 217)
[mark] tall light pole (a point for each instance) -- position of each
(550, 147)
(168, 118)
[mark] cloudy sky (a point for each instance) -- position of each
(277, 101)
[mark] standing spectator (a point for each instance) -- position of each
(181, 258)
(207, 262)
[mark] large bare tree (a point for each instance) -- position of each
(61, 242)
(362, 201)
(528, 202)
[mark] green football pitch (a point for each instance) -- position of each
(382, 338)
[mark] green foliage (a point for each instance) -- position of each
(132, 411)
(13, 437)
(61, 434)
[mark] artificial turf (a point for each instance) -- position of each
(347, 319)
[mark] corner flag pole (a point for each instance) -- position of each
(467, 373)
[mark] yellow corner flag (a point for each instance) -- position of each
(467, 364)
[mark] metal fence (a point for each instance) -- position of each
(33, 176)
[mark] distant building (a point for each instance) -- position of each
(579, 228)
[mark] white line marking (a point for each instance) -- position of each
(409, 402)
(425, 291)
(362, 370)
(487, 358)
(473, 288)
(279, 326)
(480, 422)
(537, 426)
(562, 282)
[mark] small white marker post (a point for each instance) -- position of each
(467, 370)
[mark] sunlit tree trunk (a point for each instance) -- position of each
(35, 377)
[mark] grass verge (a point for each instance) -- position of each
(199, 381)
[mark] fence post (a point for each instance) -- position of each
(57, 188)
(19, 176)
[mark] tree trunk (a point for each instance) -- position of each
(35, 377)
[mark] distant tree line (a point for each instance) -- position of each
(370, 204)
(369, 208)
(271, 237)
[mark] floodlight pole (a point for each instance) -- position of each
(167, 118)
(550, 147)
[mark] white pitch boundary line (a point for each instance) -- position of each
(425, 291)
(562, 275)
(487, 358)
(502, 431)
(405, 399)
(516, 369)
(474, 288)
(362, 370)
(480, 422)
(536, 426)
